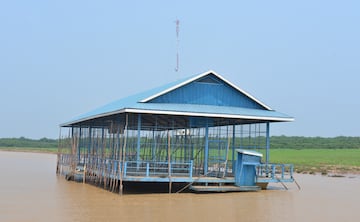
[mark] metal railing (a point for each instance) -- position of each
(112, 168)
(152, 168)
(275, 172)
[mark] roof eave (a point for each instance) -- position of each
(67, 124)
(182, 113)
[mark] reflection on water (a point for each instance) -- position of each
(31, 191)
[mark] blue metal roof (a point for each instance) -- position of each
(179, 98)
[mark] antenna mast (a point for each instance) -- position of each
(177, 44)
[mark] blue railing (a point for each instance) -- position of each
(112, 168)
(274, 173)
(152, 168)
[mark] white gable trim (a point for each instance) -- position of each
(198, 77)
(175, 87)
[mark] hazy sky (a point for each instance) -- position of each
(60, 59)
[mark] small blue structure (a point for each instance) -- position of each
(246, 163)
(192, 131)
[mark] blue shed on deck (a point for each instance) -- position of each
(184, 132)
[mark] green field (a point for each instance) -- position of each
(319, 160)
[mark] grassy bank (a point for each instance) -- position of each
(325, 161)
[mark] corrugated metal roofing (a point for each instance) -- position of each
(142, 103)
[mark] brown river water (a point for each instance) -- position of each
(30, 190)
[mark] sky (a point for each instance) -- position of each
(60, 59)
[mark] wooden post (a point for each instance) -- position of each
(58, 154)
(122, 157)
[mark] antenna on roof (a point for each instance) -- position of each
(177, 22)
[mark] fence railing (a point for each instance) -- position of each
(275, 172)
(113, 168)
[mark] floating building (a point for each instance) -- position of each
(203, 132)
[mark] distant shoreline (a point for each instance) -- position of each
(30, 150)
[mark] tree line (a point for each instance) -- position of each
(299, 142)
(26, 142)
(276, 142)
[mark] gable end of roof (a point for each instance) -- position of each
(201, 78)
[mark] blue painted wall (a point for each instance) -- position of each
(208, 90)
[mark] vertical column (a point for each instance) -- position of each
(138, 141)
(72, 141)
(102, 141)
(233, 149)
(153, 153)
(117, 156)
(89, 145)
(153, 145)
(206, 155)
(190, 143)
(79, 145)
(169, 160)
(123, 155)
(267, 142)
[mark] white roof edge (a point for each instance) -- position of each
(175, 87)
(198, 114)
(92, 117)
(241, 90)
(198, 77)
(289, 119)
(249, 152)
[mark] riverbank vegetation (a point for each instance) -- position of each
(22, 144)
(300, 142)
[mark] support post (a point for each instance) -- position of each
(233, 149)
(102, 141)
(147, 169)
(206, 154)
(169, 161)
(89, 145)
(191, 169)
(138, 142)
(153, 152)
(79, 146)
(190, 142)
(267, 143)
(73, 144)
(123, 156)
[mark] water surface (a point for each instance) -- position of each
(30, 190)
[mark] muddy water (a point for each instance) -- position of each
(31, 191)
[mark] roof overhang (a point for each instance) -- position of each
(183, 113)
